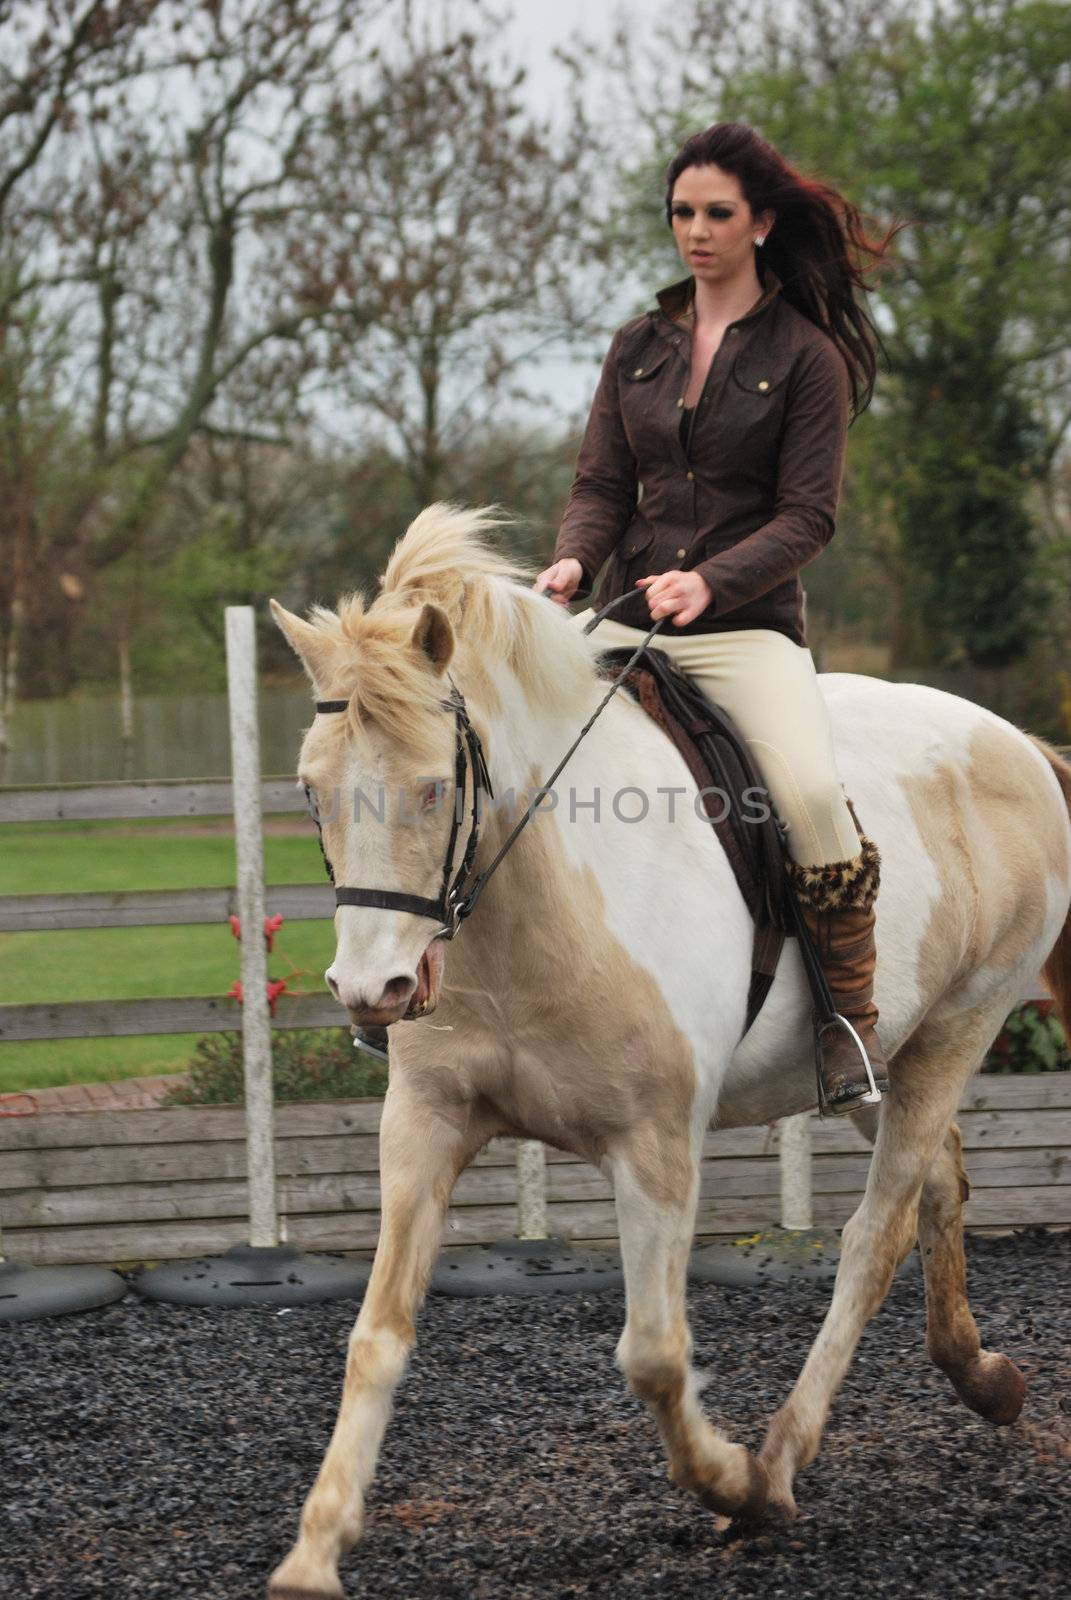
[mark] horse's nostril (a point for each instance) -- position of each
(331, 983)
(397, 990)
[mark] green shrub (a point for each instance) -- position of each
(1031, 1040)
(307, 1064)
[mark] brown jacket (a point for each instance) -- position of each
(747, 498)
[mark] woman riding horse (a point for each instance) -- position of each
(709, 474)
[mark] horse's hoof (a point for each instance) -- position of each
(992, 1386)
(776, 1517)
(324, 1587)
(287, 1592)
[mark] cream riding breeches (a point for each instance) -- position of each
(769, 686)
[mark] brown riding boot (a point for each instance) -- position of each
(837, 901)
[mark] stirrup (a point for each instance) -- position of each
(870, 1096)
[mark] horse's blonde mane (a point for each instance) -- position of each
(448, 557)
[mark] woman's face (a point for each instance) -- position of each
(712, 223)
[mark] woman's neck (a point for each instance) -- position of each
(720, 303)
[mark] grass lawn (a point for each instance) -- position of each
(135, 963)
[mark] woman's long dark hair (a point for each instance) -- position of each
(816, 244)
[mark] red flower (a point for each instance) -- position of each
(273, 989)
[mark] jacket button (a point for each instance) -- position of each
(691, 476)
(680, 402)
(638, 372)
(681, 554)
(764, 384)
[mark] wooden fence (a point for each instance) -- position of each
(160, 1185)
(150, 908)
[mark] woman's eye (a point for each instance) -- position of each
(718, 212)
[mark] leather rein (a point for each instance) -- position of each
(456, 902)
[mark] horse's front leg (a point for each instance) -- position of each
(423, 1147)
(656, 1188)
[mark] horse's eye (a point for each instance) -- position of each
(431, 795)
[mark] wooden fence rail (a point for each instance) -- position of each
(153, 908)
(159, 1185)
(131, 802)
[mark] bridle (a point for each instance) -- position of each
(450, 908)
(455, 902)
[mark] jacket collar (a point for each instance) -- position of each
(677, 302)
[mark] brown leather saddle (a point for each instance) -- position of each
(723, 769)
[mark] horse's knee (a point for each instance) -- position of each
(655, 1364)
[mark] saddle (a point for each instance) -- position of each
(719, 760)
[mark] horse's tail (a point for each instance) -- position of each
(1057, 968)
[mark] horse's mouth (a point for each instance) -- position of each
(429, 981)
(422, 1001)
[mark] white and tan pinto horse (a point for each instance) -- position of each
(596, 997)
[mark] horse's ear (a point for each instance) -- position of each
(433, 636)
(306, 641)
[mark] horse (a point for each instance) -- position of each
(595, 997)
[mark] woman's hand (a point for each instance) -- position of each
(680, 595)
(560, 581)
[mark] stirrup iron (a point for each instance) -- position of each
(873, 1095)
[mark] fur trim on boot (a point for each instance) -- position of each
(839, 884)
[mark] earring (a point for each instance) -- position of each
(762, 240)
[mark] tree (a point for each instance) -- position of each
(258, 224)
(475, 240)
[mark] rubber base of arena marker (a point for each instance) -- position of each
(775, 1255)
(251, 1275)
(30, 1292)
(527, 1267)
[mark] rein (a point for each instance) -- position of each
(455, 903)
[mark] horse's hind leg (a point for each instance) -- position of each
(654, 1351)
(985, 1381)
(928, 1075)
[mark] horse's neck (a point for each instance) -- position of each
(621, 765)
(526, 742)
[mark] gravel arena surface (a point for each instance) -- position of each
(152, 1450)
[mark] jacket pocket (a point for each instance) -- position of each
(644, 367)
(636, 540)
(761, 374)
